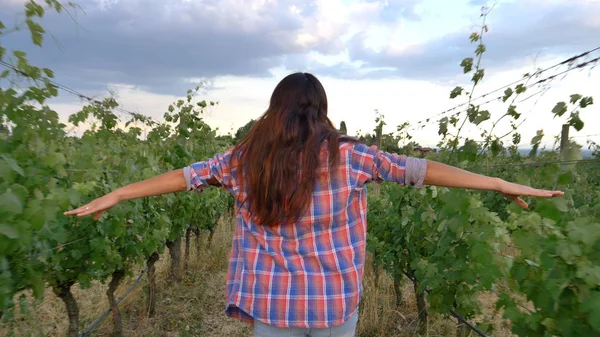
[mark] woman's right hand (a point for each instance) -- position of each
(170, 182)
(97, 206)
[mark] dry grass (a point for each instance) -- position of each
(195, 306)
(379, 315)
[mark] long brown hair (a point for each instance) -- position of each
(279, 157)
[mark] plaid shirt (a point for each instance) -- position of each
(308, 274)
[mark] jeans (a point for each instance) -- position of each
(347, 329)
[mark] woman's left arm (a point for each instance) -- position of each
(439, 174)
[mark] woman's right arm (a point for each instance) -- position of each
(212, 172)
(170, 182)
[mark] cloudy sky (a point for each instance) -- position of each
(399, 56)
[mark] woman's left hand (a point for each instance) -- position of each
(514, 192)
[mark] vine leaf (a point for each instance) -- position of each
(507, 93)
(559, 109)
(575, 121)
(586, 101)
(443, 126)
(575, 98)
(8, 231)
(456, 92)
(10, 203)
(467, 64)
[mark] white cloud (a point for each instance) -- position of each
(319, 36)
(354, 101)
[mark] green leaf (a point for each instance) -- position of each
(53, 90)
(19, 54)
(520, 88)
(458, 202)
(548, 210)
(516, 138)
(590, 274)
(482, 117)
(8, 231)
(467, 64)
(507, 93)
(586, 101)
(456, 92)
(575, 98)
(581, 230)
(538, 138)
(10, 203)
(33, 9)
(48, 72)
(568, 251)
(561, 204)
(443, 126)
(37, 32)
(590, 305)
(74, 197)
(480, 49)
(575, 121)
(519, 271)
(13, 165)
(481, 253)
(559, 109)
(565, 178)
(35, 214)
(549, 323)
(496, 147)
(478, 75)
(472, 112)
(513, 112)
(37, 284)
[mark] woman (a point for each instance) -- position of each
(298, 253)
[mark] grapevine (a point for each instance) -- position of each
(450, 244)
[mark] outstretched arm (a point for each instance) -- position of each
(212, 172)
(439, 174)
(173, 181)
(379, 165)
